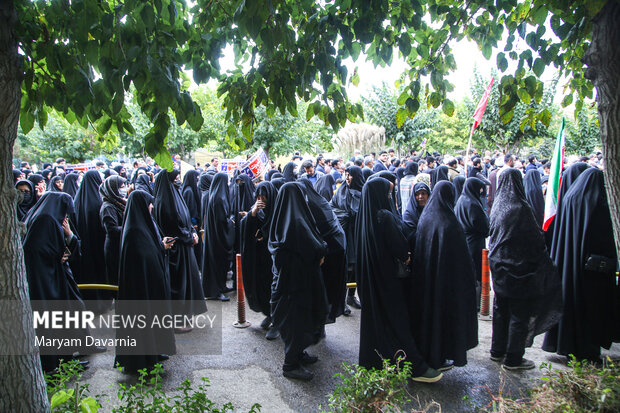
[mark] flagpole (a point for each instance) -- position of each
(468, 149)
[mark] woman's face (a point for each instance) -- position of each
(60, 184)
(349, 179)
(422, 198)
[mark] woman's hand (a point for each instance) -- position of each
(322, 261)
(67, 228)
(168, 242)
(195, 238)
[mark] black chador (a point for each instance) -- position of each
(277, 182)
(470, 212)
(586, 258)
(242, 199)
(91, 267)
(288, 173)
(30, 198)
(412, 214)
(345, 204)
(534, 195)
(204, 185)
(71, 184)
(172, 217)
(439, 174)
(335, 266)
(111, 215)
(47, 246)
(298, 302)
(325, 186)
(384, 328)
(219, 238)
(191, 196)
(569, 176)
(143, 276)
(458, 182)
(527, 290)
(444, 294)
(143, 183)
(256, 260)
(54, 182)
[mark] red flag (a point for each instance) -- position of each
(482, 105)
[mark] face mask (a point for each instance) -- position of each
(27, 197)
(123, 191)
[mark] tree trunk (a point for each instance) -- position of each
(22, 387)
(603, 60)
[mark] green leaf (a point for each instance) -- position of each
(355, 79)
(60, 398)
(402, 98)
(502, 62)
(568, 99)
(26, 121)
(404, 44)
(333, 121)
(163, 158)
(539, 67)
(423, 50)
(42, 117)
(448, 107)
(105, 126)
(524, 96)
(309, 112)
(434, 99)
(507, 117)
(356, 48)
(487, 50)
(401, 117)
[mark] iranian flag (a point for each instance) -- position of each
(555, 179)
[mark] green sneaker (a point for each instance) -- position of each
(430, 376)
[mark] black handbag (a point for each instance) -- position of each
(600, 263)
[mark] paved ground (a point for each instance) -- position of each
(249, 370)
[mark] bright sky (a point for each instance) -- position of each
(466, 54)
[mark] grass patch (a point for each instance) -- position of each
(584, 387)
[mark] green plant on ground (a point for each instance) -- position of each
(584, 387)
(147, 395)
(371, 390)
(68, 395)
(65, 392)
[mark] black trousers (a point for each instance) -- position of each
(510, 328)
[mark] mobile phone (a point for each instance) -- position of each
(172, 240)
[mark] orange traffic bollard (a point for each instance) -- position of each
(486, 286)
(241, 321)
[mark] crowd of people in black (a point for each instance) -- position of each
(409, 231)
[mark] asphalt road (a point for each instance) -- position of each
(248, 370)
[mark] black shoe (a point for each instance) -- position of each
(163, 357)
(347, 310)
(306, 359)
(524, 365)
(272, 334)
(447, 365)
(222, 297)
(430, 376)
(300, 373)
(84, 363)
(266, 323)
(497, 359)
(354, 302)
